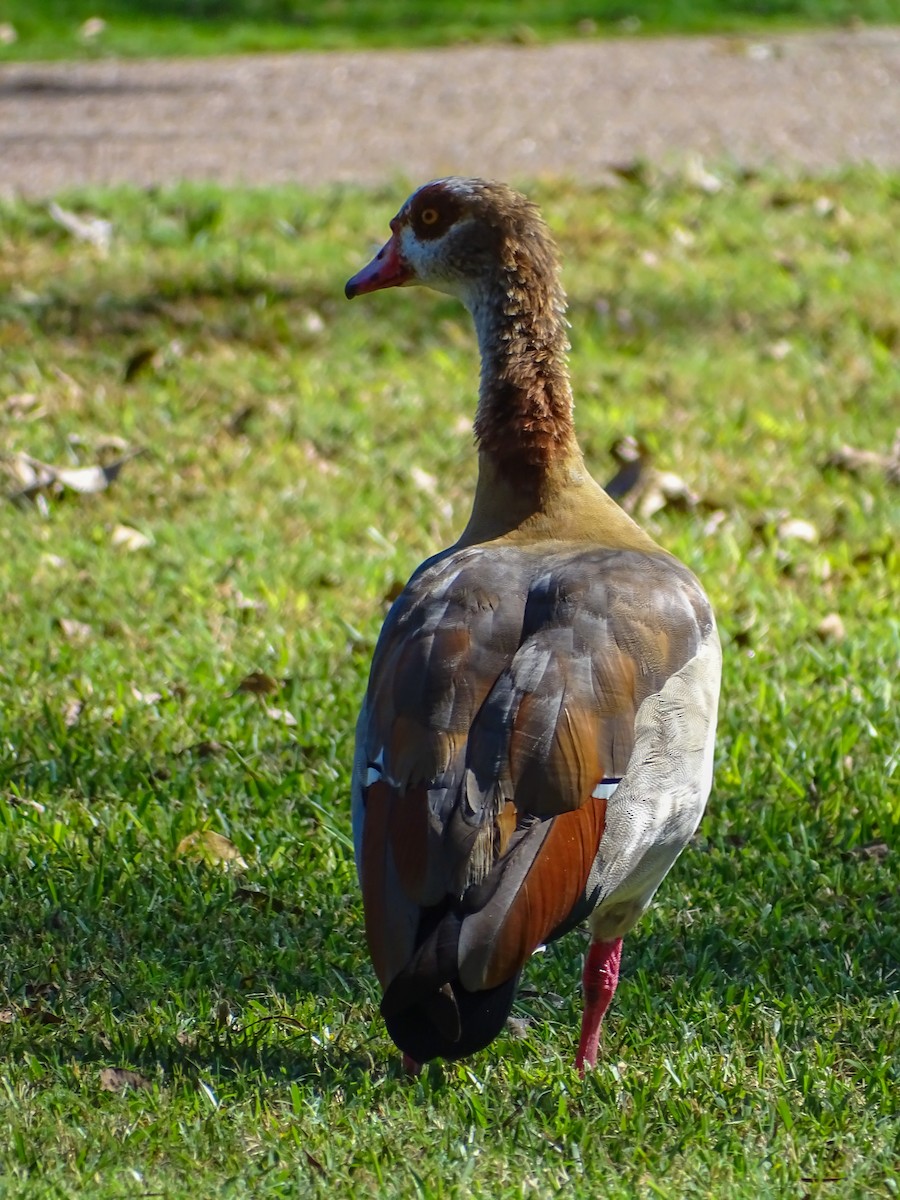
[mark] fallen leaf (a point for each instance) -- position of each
(317, 460)
(394, 589)
(11, 798)
(831, 628)
(87, 480)
(76, 632)
(263, 900)
(423, 480)
(205, 749)
(313, 323)
(72, 711)
(34, 476)
(632, 457)
(874, 850)
(124, 537)
(283, 715)
(854, 460)
(224, 1017)
(91, 29)
(23, 404)
(779, 350)
(207, 846)
(258, 683)
(39, 1016)
(137, 362)
(95, 230)
(239, 420)
(241, 602)
(314, 1163)
(697, 176)
(637, 171)
(794, 529)
(120, 1079)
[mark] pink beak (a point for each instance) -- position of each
(385, 270)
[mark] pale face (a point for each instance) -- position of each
(439, 239)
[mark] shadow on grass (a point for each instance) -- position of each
(800, 965)
(251, 308)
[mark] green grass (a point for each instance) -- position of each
(754, 1046)
(50, 29)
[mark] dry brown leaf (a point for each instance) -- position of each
(640, 487)
(76, 632)
(317, 460)
(312, 322)
(697, 176)
(238, 421)
(284, 715)
(7, 1016)
(242, 603)
(95, 230)
(423, 480)
(125, 537)
(120, 1079)
(636, 171)
(205, 749)
(23, 405)
(86, 480)
(875, 850)
(33, 476)
(91, 29)
(141, 358)
(207, 846)
(779, 350)
(633, 457)
(795, 529)
(39, 1015)
(12, 798)
(394, 589)
(831, 628)
(854, 460)
(258, 683)
(72, 711)
(224, 1017)
(314, 1163)
(261, 900)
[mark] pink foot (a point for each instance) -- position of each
(601, 974)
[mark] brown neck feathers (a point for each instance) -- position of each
(524, 420)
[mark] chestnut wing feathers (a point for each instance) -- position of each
(503, 690)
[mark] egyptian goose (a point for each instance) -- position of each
(535, 747)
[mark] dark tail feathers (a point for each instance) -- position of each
(429, 1014)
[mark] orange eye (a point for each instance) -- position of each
(430, 216)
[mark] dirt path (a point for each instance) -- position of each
(805, 101)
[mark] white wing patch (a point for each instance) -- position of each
(605, 789)
(660, 800)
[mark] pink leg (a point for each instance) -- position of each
(410, 1066)
(601, 974)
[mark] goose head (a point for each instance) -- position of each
(470, 238)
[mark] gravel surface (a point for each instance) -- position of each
(810, 101)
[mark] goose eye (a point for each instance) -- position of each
(430, 216)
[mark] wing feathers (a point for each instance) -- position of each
(504, 689)
(541, 884)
